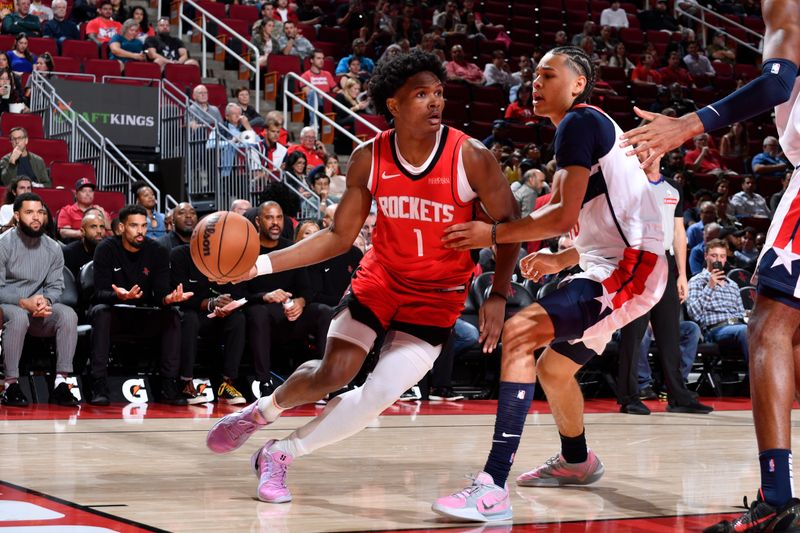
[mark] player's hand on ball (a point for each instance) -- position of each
(539, 264)
(177, 296)
(468, 235)
(491, 317)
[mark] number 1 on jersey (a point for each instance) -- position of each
(418, 232)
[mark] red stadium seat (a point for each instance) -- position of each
(40, 45)
(248, 13)
(55, 199)
(283, 64)
(31, 122)
(140, 69)
(65, 175)
(102, 67)
(239, 27)
(217, 9)
(66, 64)
(111, 201)
(80, 49)
(217, 96)
(6, 42)
(50, 150)
(485, 112)
(336, 35)
(183, 76)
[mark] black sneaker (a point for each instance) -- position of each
(267, 387)
(411, 395)
(446, 394)
(634, 408)
(694, 407)
(761, 516)
(99, 394)
(170, 393)
(13, 396)
(62, 396)
(648, 393)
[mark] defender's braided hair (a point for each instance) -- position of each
(580, 62)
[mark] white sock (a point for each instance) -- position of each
(269, 408)
(404, 361)
(60, 378)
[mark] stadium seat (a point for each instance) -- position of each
(216, 9)
(479, 287)
(31, 122)
(485, 111)
(6, 42)
(111, 201)
(101, 67)
(66, 64)
(241, 12)
(183, 76)
(239, 27)
(64, 174)
(217, 96)
(80, 50)
(336, 35)
(140, 69)
(55, 199)
(40, 45)
(748, 295)
(740, 276)
(50, 150)
(283, 64)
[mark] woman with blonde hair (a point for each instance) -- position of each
(305, 229)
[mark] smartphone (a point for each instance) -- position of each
(717, 265)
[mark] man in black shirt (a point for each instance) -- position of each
(229, 325)
(163, 48)
(184, 219)
(133, 270)
(280, 302)
(59, 27)
(78, 253)
(331, 278)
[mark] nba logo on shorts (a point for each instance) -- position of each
(134, 391)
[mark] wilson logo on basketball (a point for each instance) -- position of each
(207, 233)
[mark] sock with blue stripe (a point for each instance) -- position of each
(512, 408)
(776, 476)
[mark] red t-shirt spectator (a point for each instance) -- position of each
(519, 113)
(312, 159)
(712, 161)
(671, 75)
(643, 73)
(103, 28)
(71, 216)
(323, 80)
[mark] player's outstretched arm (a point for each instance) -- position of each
(347, 223)
(773, 87)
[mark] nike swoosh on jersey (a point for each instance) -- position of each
(506, 435)
(117, 269)
(386, 176)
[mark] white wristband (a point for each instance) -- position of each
(263, 265)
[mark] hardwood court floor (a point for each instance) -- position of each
(150, 469)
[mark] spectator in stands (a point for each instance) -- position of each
(163, 48)
(70, 217)
(645, 74)
(587, 44)
(359, 46)
(354, 73)
(240, 206)
(253, 117)
(714, 301)
(308, 13)
(407, 27)
(320, 78)
(292, 43)
(658, 18)
(274, 150)
(201, 109)
(310, 146)
(521, 110)
(31, 283)
(316, 205)
(327, 217)
(697, 254)
(459, 69)
(20, 59)
(280, 302)
(747, 254)
(22, 21)
(368, 228)
(722, 202)
(59, 27)
(698, 64)
(19, 185)
(391, 51)
(449, 19)
(531, 187)
(773, 201)
(134, 270)
(297, 165)
(125, 46)
(674, 72)
(205, 312)
(719, 51)
(678, 102)
(103, 27)
(146, 197)
(349, 97)
(38, 9)
(620, 59)
(265, 39)
(235, 131)
(672, 163)
(499, 134)
(22, 162)
(735, 142)
(184, 219)
(561, 38)
(524, 76)
(605, 42)
(747, 202)
(705, 159)
(284, 12)
(120, 11)
(84, 11)
(139, 14)
(589, 30)
(81, 251)
(614, 16)
(267, 14)
(770, 162)
(497, 72)
(694, 234)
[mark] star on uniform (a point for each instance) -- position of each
(606, 300)
(785, 256)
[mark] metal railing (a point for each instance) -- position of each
(114, 171)
(205, 36)
(706, 19)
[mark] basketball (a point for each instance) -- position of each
(224, 246)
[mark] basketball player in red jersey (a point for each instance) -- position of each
(774, 327)
(424, 177)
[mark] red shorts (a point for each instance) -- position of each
(397, 305)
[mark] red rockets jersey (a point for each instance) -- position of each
(415, 205)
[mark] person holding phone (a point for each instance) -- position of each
(714, 301)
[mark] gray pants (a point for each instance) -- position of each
(62, 324)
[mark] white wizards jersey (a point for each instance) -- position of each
(787, 119)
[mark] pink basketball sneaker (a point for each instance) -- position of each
(233, 430)
(556, 472)
(483, 501)
(271, 467)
